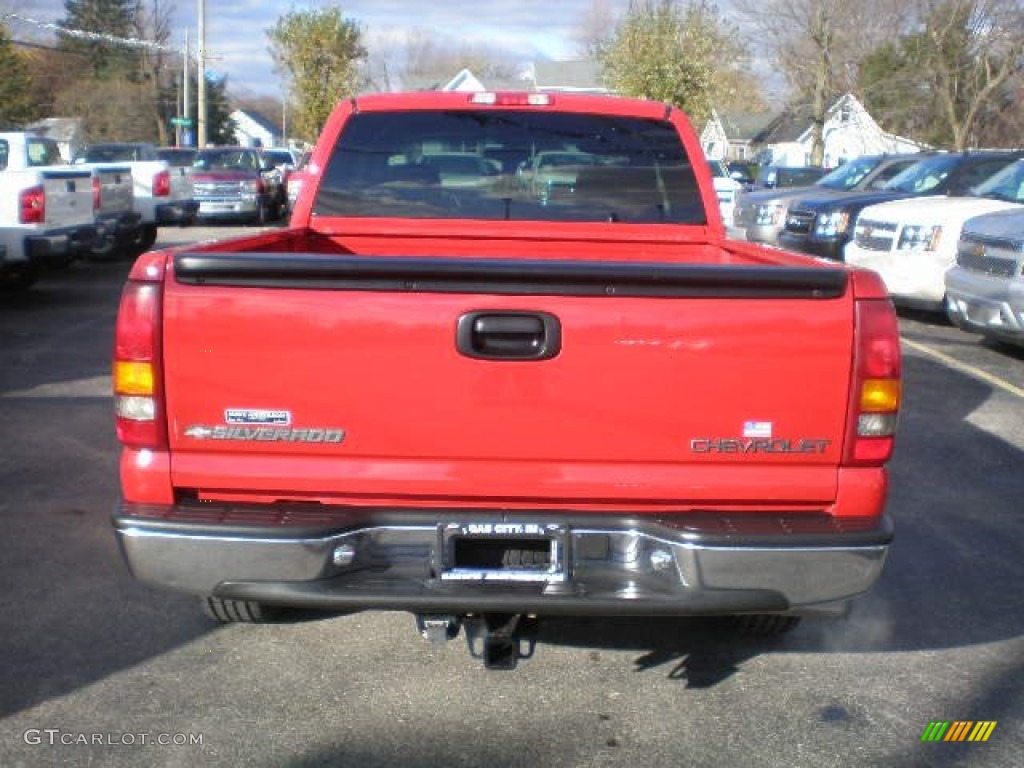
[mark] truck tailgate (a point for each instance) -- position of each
(347, 379)
(68, 197)
(116, 190)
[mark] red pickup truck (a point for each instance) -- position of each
(482, 402)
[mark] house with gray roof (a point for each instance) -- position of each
(580, 76)
(544, 76)
(785, 138)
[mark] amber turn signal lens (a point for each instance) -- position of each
(880, 395)
(133, 378)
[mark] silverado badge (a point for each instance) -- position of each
(265, 434)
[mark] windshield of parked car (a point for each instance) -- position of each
(1007, 185)
(510, 165)
(279, 157)
(177, 157)
(718, 169)
(849, 174)
(925, 175)
(226, 159)
(112, 153)
(41, 151)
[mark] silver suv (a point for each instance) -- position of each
(985, 288)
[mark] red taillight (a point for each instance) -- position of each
(32, 206)
(138, 385)
(162, 184)
(96, 193)
(875, 384)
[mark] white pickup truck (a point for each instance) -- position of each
(163, 193)
(118, 224)
(46, 208)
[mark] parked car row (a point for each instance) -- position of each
(110, 200)
(162, 193)
(946, 233)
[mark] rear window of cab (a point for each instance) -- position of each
(510, 165)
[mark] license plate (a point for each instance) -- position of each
(503, 552)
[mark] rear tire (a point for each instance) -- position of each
(109, 250)
(147, 238)
(144, 239)
(763, 626)
(18, 279)
(237, 611)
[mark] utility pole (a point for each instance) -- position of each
(201, 76)
(187, 111)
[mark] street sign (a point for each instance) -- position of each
(185, 121)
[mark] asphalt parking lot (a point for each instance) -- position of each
(101, 670)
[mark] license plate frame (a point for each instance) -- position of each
(469, 552)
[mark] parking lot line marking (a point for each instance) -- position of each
(970, 370)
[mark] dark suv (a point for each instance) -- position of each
(759, 216)
(823, 225)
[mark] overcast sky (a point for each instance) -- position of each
(237, 42)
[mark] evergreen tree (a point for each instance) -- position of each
(16, 107)
(101, 21)
(220, 128)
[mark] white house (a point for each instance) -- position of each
(850, 131)
(785, 139)
(254, 130)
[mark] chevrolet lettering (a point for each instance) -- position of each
(758, 445)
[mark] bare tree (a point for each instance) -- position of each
(422, 55)
(818, 44)
(972, 49)
(596, 29)
(158, 68)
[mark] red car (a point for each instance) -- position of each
(237, 184)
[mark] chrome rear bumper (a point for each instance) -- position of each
(692, 564)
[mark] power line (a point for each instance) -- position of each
(82, 34)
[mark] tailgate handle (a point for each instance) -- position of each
(509, 335)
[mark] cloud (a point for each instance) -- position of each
(237, 42)
(524, 29)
